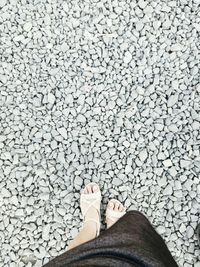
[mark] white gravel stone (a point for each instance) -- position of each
(28, 181)
(126, 144)
(167, 163)
(14, 200)
(117, 181)
(142, 4)
(143, 155)
(81, 118)
(65, 6)
(173, 171)
(161, 229)
(45, 232)
(63, 132)
(127, 57)
(176, 47)
(185, 163)
(168, 190)
(19, 213)
(5, 192)
(3, 3)
(27, 26)
(61, 211)
(64, 47)
(172, 100)
(156, 24)
(182, 228)
(2, 138)
(190, 232)
(109, 143)
(173, 128)
(51, 98)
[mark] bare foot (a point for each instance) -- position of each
(115, 210)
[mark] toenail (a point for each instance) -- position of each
(94, 187)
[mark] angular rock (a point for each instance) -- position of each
(167, 163)
(172, 100)
(63, 132)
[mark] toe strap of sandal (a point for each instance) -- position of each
(112, 215)
(90, 200)
(95, 204)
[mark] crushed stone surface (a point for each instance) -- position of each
(102, 91)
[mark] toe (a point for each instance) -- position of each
(89, 188)
(116, 205)
(86, 190)
(111, 205)
(95, 188)
(116, 208)
(120, 207)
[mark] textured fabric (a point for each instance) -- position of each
(131, 241)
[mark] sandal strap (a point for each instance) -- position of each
(95, 204)
(93, 220)
(97, 225)
(113, 215)
(90, 200)
(91, 196)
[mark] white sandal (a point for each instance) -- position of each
(113, 215)
(91, 200)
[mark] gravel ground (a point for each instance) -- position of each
(104, 91)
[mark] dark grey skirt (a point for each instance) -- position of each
(132, 241)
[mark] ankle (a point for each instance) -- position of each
(91, 226)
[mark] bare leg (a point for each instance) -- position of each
(86, 234)
(90, 228)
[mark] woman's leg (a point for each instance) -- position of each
(90, 227)
(87, 233)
